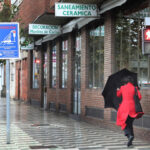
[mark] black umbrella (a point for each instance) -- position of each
(115, 81)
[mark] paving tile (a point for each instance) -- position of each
(36, 127)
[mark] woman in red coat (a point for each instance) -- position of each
(126, 111)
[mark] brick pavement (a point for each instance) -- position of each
(33, 128)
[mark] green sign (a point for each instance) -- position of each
(75, 10)
(43, 29)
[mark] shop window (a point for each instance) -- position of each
(53, 70)
(45, 69)
(64, 63)
(96, 57)
(77, 66)
(128, 47)
(36, 70)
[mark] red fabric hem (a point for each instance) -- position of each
(139, 115)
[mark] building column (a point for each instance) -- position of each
(71, 48)
(41, 81)
(58, 70)
(109, 41)
(84, 66)
(29, 74)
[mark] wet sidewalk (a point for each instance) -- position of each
(33, 128)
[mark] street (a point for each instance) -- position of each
(33, 128)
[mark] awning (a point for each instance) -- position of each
(110, 4)
(76, 23)
(49, 18)
(49, 37)
(38, 42)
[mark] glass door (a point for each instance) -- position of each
(45, 81)
(77, 76)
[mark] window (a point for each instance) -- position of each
(64, 63)
(53, 71)
(36, 70)
(45, 69)
(96, 57)
(128, 46)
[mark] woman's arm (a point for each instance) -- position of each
(119, 93)
(139, 94)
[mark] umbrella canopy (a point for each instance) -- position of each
(115, 81)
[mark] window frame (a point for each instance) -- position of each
(91, 28)
(67, 49)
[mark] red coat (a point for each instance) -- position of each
(127, 107)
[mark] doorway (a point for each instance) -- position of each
(77, 76)
(44, 105)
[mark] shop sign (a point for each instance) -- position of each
(43, 29)
(76, 10)
(29, 46)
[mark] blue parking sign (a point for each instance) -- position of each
(9, 41)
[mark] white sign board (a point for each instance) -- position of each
(76, 10)
(43, 29)
(29, 46)
(147, 21)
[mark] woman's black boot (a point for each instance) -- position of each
(130, 139)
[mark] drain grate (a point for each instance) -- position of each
(43, 147)
(36, 125)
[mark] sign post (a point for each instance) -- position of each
(9, 49)
(8, 99)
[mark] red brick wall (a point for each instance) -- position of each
(29, 10)
(18, 67)
(23, 95)
(108, 53)
(52, 3)
(146, 101)
(21, 80)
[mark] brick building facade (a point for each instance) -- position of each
(76, 100)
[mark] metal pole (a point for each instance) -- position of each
(21, 80)
(8, 99)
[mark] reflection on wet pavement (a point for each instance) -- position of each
(33, 128)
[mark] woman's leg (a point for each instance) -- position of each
(130, 122)
(129, 130)
(129, 127)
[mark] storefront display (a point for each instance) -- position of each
(128, 45)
